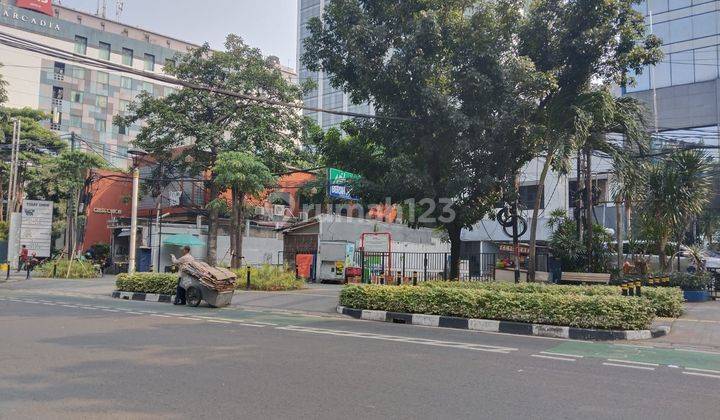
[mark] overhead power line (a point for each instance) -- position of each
(19, 43)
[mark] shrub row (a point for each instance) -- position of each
(78, 269)
(575, 310)
(667, 301)
(162, 283)
(268, 278)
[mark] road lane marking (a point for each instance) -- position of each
(703, 370)
(409, 340)
(633, 362)
(162, 316)
(705, 375)
(698, 351)
(561, 354)
(628, 366)
(542, 356)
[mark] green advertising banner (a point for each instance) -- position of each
(339, 184)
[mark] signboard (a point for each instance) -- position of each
(36, 226)
(99, 210)
(42, 6)
(339, 184)
(376, 242)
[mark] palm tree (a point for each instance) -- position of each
(678, 189)
(628, 188)
(584, 126)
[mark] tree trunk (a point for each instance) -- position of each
(240, 227)
(2, 198)
(236, 230)
(213, 221)
(454, 234)
(233, 230)
(536, 212)
(619, 236)
(661, 254)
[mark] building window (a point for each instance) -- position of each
(78, 72)
(124, 105)
(527, 196)
(104, 51)
(682, 68)
(126, 83)
(127, 57)
(103, 78)
(80, 45)
(100, 125)
(149, 62)
(58, 93)
(148, 87)
(101, 101)
(76, 96)
(122, 130)
(60, 68)
(76, 121)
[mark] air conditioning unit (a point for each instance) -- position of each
(279, 210)
(304, 215)
(260, 211)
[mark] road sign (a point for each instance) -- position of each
(339, 184)
(36, 227)
(376, 242)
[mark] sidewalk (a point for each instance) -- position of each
(698, 328)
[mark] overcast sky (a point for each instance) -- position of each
(270, 25)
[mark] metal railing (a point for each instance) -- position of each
(413, 267)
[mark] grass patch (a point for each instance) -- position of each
(78, 269)
(268, 278)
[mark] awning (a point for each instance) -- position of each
(183, 240)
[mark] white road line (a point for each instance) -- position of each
(628, 366)
(633, 362)
(698, 351)
(71, 306)
(410, 340)
(542, 356)
(110, 310)
(703, 370)
(135, 313)
(217, 321)
(561, 354)
(702, 374)
(161, 315)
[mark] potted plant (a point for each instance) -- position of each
(694, 285)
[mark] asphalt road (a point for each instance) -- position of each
(74, 356)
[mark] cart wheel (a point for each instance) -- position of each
(193, 296)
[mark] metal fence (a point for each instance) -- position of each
(410, 267)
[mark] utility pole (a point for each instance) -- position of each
(589, 207)
(11, 189)
(516, 239)
(133, 219)
(578, 198)
(12, 169)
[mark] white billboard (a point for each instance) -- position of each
(36, 230)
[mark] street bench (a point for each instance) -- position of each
(600, 278)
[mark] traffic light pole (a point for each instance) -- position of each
(133, 220)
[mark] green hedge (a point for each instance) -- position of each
(78, 269)
(268, 278)
(162, 283)
(667, 301)
(575, 310)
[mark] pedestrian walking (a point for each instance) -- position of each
(23, 260)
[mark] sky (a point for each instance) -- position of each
(270, 25)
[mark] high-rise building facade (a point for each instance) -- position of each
(682, 92)
(324, 96)
(82, 99)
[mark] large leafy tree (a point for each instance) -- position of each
(677, 189)
(581, 42)
(245, 175)
(451, 92)
(205, 124)
(37, 145)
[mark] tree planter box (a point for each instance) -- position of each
(696, 295)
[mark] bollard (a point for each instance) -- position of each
(638, 288)
(414, 278)
(54, 270)
(651, 281)
(247, 284)
(27, 268)
(624, 289)
(7, 273)
(631, 289)
(398, 279)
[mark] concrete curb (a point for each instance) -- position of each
(147, 297)
(509, 327)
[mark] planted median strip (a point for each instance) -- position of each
(563, 315)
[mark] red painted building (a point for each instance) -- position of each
(107, 196)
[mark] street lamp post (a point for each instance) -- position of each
(134, 209)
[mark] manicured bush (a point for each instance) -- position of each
(691, 281)
(162, 283)
(575, 310)
(667, 301)
(268, 278)
(78, 269)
